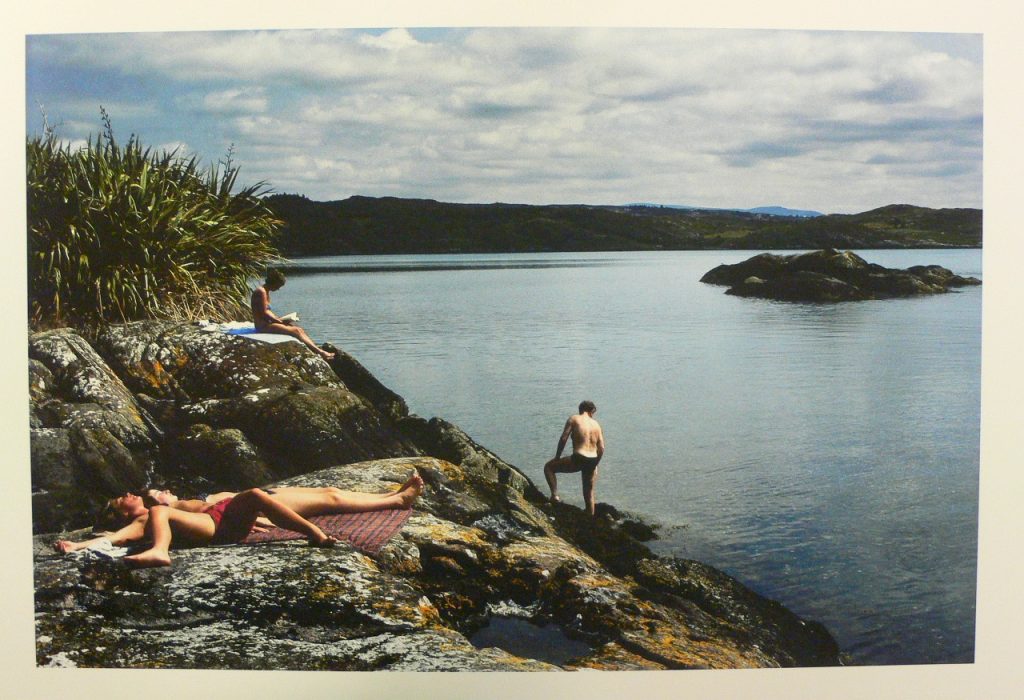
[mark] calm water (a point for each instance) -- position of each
(825, 455)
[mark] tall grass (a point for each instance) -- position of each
(121, 232)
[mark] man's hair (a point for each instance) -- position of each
(275, 278)
(110, 518)
(587, 407)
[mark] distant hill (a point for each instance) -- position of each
(783, 211)
(772, 211)
(369, 225)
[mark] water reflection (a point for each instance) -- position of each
(827, 455)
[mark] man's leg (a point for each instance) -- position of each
(163, 523)
(564, 465)
(589, 477)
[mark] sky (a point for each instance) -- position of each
(832, 121)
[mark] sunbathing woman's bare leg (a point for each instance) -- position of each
(308, 502)
(256, 501)
(299, 334)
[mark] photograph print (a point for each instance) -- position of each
(504, 349)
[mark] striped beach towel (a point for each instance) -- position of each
(367, 532)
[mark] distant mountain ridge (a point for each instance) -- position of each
(391, 225)
(770, 210)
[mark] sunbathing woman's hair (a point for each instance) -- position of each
(275, 278)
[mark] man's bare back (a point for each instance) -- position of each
(586, 434)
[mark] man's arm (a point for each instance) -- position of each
(600, 444)
(566, 432)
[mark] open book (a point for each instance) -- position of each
(290, 318)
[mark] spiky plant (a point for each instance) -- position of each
(121, 232)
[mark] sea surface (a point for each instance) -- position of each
(826, 455)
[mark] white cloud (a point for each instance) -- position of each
(611, 115)
(392, 40)
(236, 101)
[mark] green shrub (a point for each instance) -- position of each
(120, 233)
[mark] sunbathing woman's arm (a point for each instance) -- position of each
(220, 496)
(262, 523)
(129, 533)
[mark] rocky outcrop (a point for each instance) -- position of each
(159, 402)
(90, 436)
(828, 276)
(481, 544)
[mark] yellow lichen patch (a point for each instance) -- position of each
(447, 468)
(327, 589)
(662, 641)
(548, 553)
(422, 614)
(368, 562)
(454, 604)
(443, 532)
(613, 657)
(600, 579)
(154, 374)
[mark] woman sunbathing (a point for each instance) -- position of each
(227, 517)
(266, 321)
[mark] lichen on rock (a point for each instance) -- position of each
(482, 538)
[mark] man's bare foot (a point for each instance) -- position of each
(148, 559)
(556, 499)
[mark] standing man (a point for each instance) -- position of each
(587, 450)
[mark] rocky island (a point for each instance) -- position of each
(830, 275)
(167, 403)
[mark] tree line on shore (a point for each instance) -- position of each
(368, 225)
(121, 232)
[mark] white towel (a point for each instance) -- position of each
(239, 325)
(104, 549)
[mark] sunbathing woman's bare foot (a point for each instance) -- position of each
(324, 542)
(328, 356)
(414, 479)
(411, 491)
(148, 559)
